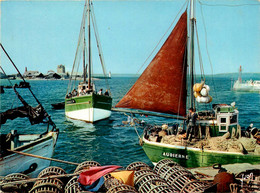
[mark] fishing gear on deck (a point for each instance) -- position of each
(35, 114)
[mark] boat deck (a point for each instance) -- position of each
(232, 168)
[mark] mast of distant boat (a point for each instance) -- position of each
(191, 59)
(89, 48)
(84, 56)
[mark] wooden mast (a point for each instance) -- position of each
(89, 48)
(191, 63)
(84, 62)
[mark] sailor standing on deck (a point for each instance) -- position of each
(191, 120)
(100, 92)
(106, 93)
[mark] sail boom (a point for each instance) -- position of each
(141, 112)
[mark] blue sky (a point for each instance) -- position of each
(43, 34)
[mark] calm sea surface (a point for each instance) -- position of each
(108, 142)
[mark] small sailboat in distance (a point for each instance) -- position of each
(162, 88)
(84, 102)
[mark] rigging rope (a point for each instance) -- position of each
(6, 75)
(186, 3)
(200, 57)
(48, 116)
(226, 5)
(15, 99)
(101, 56)
(206, 42)
(79, 48)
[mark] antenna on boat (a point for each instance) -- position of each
(191, 59)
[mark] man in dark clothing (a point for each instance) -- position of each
(106, 93)
(191, 120)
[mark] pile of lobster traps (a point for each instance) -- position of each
(166, 177)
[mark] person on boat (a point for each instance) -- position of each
(87, 91)
(82, 92)
(100, 91)
(106, 93)
(191, 120)
(163, 132)
(74, 92)
(250, 131)
(69, 95)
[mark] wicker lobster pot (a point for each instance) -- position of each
(138, 166)
(178, 177)
(17, 187)
(152, 183)
(122, 189)
(51, 171)
(86, 165)
(50, 185)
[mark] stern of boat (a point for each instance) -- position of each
(35, 144)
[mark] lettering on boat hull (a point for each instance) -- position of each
(175, 155)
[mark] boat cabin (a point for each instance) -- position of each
(223, 119)
(257, 82)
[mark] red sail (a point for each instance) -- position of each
(162, 86)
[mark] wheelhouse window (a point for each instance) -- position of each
(233, 119)
(223, 120)
(223, 128)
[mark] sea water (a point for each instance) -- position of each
(110, 142)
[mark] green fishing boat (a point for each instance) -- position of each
(212, 145)
(84, 102)
(166, 87)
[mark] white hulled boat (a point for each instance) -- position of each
(84, 102)
(14, 145)
(247, 86)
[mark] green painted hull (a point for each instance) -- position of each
(89, 108)
(194, 157)
(88, 101)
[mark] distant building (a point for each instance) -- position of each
(50, 72)
(61, 69)
(52, 75)
(31, 74)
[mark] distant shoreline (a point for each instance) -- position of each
(232, 75)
